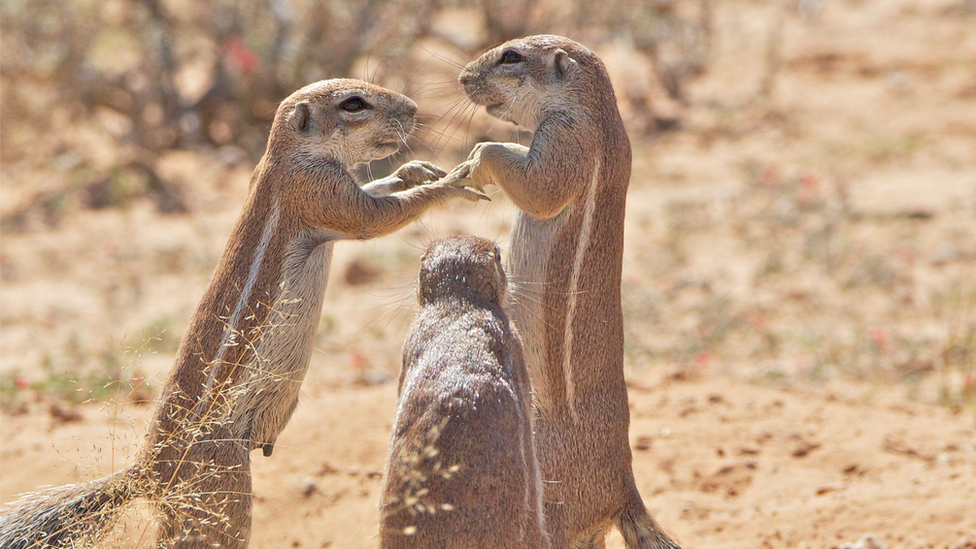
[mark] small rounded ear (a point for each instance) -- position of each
(563, 63)
(302, 116)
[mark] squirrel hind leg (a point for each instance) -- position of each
(640, 531)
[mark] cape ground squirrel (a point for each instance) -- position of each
(570, 187)
(463, 470)
(239, 368)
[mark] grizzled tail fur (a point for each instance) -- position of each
(66, 516)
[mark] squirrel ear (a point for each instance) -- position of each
(302, 116)
(563, 62)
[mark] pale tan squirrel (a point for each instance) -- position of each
(570, 186)
(238, 371)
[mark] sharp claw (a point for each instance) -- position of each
(267, 449)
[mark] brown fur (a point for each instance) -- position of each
(242, 360)
(462, 469)
(570, 186)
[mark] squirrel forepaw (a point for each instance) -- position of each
(418, 172)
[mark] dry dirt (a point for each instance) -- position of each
(799, 291)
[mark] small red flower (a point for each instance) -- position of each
(243, 57)
(809, 190)
(877, 337)
(703, 358)
(358, 361)
(769, 178)
(809, 182)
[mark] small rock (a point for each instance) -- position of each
(965, 543)
(805, 448)
(867, 541)
(747, 450)
(643, 443)
(308, 487)
(374, 473)
(327, 469)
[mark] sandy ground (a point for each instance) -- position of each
(720, 464)
(798, 287)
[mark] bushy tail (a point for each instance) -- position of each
(640, 531)
(67, 516)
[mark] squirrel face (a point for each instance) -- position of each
(344, 120)
(463, 268)
(521, 79)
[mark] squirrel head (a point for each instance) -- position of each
(342, 120)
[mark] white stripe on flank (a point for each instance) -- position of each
(252, 276)
(584, 241)
(526, 500)
(540, 506)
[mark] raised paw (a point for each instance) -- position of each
(457, 176)
(475, 154)
(471, 195)
(458, 190)
(418, 172)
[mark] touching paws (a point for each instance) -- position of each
(486, 155)
(417, 172)
(458, 184)
(470, 195)
(412, 174)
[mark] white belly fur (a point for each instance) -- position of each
(269, 394)
(531, 244)
(533, 241)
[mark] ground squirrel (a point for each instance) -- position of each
(239, 368)
(462, 469)
(570, 187)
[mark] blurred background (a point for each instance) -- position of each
(801, 230)
(159, 109)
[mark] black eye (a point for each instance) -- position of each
(511, 57)
(498, 253)
(354, 104)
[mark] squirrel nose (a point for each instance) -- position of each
(409, 107)
(465, 78)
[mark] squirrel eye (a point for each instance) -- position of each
(511, 57)
(498, 253)
(354, 104)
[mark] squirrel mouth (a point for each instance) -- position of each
(500, 111)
